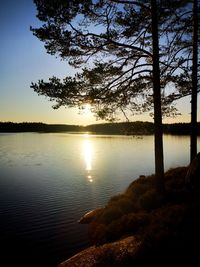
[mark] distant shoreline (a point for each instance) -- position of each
(120, 128)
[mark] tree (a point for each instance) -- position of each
(159, 165)
(116, 60)
(193, 141)
(184, 71)
(117, 43)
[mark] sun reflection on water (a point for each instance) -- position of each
(88, 153)
(90, 178)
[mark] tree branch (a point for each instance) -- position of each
(111, 41)
(132, 3)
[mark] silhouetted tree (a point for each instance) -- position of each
(159, 165)
(117, 42)
(193, 151)
(182, 63)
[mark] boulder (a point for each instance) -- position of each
(111, 253)
(90, 216)
(192, 178)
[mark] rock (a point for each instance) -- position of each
(118, 250)
(192, 178)
(90, 216)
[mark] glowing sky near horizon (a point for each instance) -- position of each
(23, 59)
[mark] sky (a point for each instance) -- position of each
(23, 59)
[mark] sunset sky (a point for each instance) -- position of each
(23, 60)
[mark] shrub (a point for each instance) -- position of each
(150, 200)
(134, 221)
(137, 190)
(175, 179)
(128, 224)
(140, 186)
(126, 205)
(115, 230)
(124, 202)
(115, 199)
(109, 214)
(97, 233)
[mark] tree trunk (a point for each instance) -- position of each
(193, 138)
(158, 143)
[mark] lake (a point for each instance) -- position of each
(48, 181)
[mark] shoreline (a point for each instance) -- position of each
(155, 231)
(121, 128)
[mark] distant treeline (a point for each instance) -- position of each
(125, 128)
(36, 127)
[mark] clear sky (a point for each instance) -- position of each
(23, 60)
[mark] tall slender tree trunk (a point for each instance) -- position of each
(158, 143)
(193, 138)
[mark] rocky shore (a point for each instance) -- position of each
(118, 250)
(138, 228)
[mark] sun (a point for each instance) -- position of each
(87, 108)
(87, 114)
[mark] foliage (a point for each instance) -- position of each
(140, 210)
(150, 200)
(112, 212)
(111, 44)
